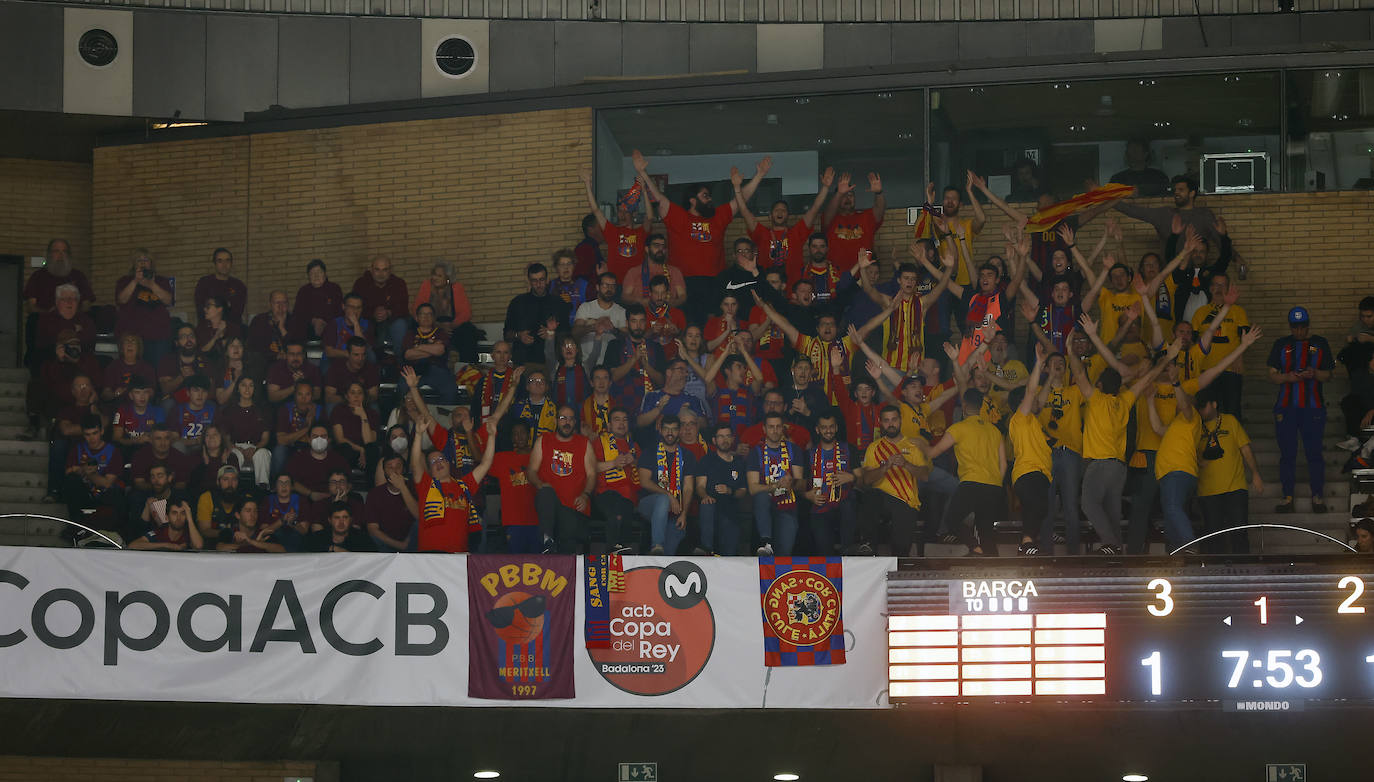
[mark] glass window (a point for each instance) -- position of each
(1331, 129)
(1054, 137)
(699, 142)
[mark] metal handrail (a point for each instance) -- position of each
(1266, 526)
(64, 521)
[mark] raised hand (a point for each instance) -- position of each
(1066, 233)
(1174, 348)
(1138, 282)
(845, 185)
(736, 178)
(952, 351)
(1232, 294)
(641, 163)
(865, 258)
(836, 358)
(930, 192)
(974, 180)
(1029, 310)
(1133, 311)
(586, 176)
(874, 368)
(853, 334)
(1251, 337)
(1113, 228)
(1089, 327)
(408, 375)
(1191, 241)
(828, 177)
(875, 182)
(763, 166)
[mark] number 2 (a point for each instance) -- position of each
(1163, 589)
(1356, 587)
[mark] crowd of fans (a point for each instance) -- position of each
(667, 393)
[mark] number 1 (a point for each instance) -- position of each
(1154, 662)
(1263, 604)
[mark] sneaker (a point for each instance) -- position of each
(1318, 505)
(1349, 444)
(865, 550)
(1059, 538)
(949, 538)
(766, 550)
(656, 551)
(1028, 550)
(621, 548)
(1110, 551)
(549, 546)
(1284, 507)
(698, 551)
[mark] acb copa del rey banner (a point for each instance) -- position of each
(443, 630)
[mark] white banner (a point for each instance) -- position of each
(380, 629)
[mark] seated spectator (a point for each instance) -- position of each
(233, 369)
(286, 511)
(245, 534)
(221, 284)
(215, 329)
(40, 291)
(390, 510)
(180, 365)
(340, 490)
(354, 424)
(66, 316)
(67, 428)
(148, 509)
(179, 466)
(134, 420)
(294, 420)
(125, 367)
(1363, 535)
(247, 433)
(217, 507)
(425, 350)
(598, 322)
(666, 483)
(1358, 407)
(145, 301)
(319, 300)
(451, 309)
(340, 534)
(355, 368)
(1359, 340)
(192, 417)
(92, 484)
(385, 300)
(176, 534)
(310, 469)
(48, 391)
(340, 331)
(283, 376)
(205, 466)
(533, 317)
(270, 333)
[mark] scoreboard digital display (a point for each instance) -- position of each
(1253, 635)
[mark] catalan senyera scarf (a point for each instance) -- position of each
(775, 466)
(670, 467)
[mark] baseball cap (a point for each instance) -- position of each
(1298, 317)
(227, 469)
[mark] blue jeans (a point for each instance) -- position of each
(1309, 423)
(663, 529)
(1066, 468)
(438, 378)
(720, 516)
(523, 539)
(775, 525)
(1174, 490)
(395, 330)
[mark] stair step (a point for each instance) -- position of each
(28, 494)
(24, 464)
(13, 479)
(9, 447)
(14, 375)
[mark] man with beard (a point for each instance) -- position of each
(617, 481)
(41, 289)
(733, 402)
(597, 322)
(562, 469)
(626, 237)
(722, 485)
(895, 466)
(833, 475)
(696, 230)
(819, 271)
(270, 332)
(519, 520)
(780, 246)
(390, 511)
(533, 317)
(847, 231)
(449, 519)
(665, 321)
(775, 472)
(223, 284)
(283, 375)
(774, 402)
(742, 275)
(905, 307)
(635, 285)
(666, 484)
(1199, 218)
(955, 227)
(818, 349)
(185, 362)
(634, 361)
(178, 534)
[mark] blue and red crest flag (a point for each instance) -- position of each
(632, 197)
(520, 620)
(602, 575)
(803, 619)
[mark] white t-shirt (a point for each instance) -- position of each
(592, 310)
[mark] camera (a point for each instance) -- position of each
(72, 349)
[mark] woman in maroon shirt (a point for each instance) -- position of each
(246, 433)
(214, 331)
(128, 365)
(226, 377)
(144, 300)
(213, 451)
(355, 429)
(319, 300)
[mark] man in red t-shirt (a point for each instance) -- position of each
(847, 230)
(562, 468)
(518, 516)
(449, 519)
(696, 233)
(781, 246)
(617, 482)
(626, 237)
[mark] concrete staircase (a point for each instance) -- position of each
(23, 472)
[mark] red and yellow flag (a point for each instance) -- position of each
(1050, 216)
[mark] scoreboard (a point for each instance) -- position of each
(1251, 635)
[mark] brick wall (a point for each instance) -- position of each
(488, 194)
(17, 768)
(43, 200)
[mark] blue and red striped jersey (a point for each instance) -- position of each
(1294, 355)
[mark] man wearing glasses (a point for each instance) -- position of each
(536, 409)
(562, 470)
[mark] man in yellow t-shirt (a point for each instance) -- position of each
(982, 458)
(893, 465)
(1113, 300)
(1175, 465)
(1030, 472)
(1229, 322)
(1106, 415)
(1061, 415)
(1004, 373)
(1224, 448)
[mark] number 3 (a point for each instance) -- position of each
(1162, 589)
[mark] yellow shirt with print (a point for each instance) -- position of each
(1227, 336)
(966, 245)
(1191, 362)
(1166, 403)
(1062, 417)
(1093, 366)
(818, 350)
(1110, 307)
(1105, 417)
(1227, 474)
(1029, 447)
(897, 482)
(976, 443)
(1178, 447)
(1134, 355)
(915, 421)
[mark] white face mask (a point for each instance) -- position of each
(319, 444)
(399, 444)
